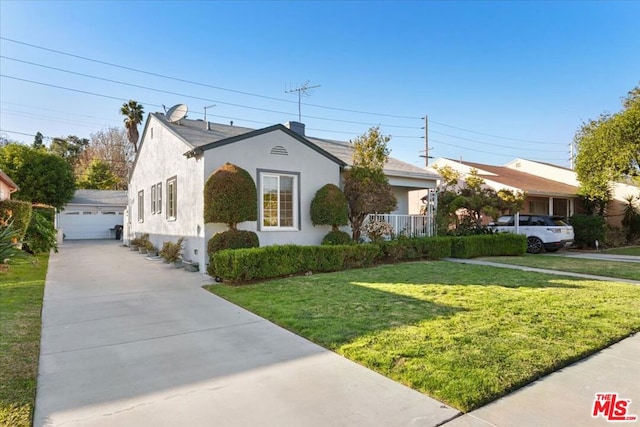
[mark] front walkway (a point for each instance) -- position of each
(131, 342)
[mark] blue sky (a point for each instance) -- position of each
(498, 80)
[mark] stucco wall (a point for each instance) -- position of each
(254, 154)
(160, 158)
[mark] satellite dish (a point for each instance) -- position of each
(177, 113)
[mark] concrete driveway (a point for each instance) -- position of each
(131, 342)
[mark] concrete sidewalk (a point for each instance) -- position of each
(131, 342)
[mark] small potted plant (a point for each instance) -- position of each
(152, 251)
(171, 252)
(139, 242)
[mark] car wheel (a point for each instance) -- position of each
(534, 245)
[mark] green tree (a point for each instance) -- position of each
(38, 141)
(133, 116)
(43, 177)
(99, 177)
(461, 205)
(366, 187)
(608, 150)
(69, 148)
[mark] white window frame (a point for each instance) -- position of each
(262, 174)
(154, 199)
(141, 206)
(159, 197)
(172, 198)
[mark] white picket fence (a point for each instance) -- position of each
(405, 225)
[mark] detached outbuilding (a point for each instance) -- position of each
(93, 214)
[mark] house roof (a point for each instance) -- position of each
(99, 197)
(195, 134)
(8, 181)
(532, 184)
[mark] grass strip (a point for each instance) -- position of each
(21, 292)
(463, 334)
(606, 268)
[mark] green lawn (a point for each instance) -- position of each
(631, 250)
(464, 334)
(606, 268)
(21, 290)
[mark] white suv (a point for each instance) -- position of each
(542, 231)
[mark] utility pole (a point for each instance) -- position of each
(304, 89)
(426, 142)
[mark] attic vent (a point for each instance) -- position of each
(518, 165)
(279, 150)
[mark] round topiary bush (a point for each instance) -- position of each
(329, 207)
(233, 239)
(337, 237)
(230, 196)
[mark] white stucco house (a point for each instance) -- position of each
(92, 214)
(175, 159)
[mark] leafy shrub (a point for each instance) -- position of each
(8, 248)
(337, 237)
(329, 207)
(233, 239)
(488, 245)
(377, 230)
(41, 235)
(587, 229)
(230, 196)
(171, 251)
(404, 249)
(275, 261)
(18, 213)
(140, 241)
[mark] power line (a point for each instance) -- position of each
(492, 135)
(200, 84)
(488, 143)
(192, 96)
(264, 96)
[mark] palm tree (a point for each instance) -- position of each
(132, 112)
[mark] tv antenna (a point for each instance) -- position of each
(206, 123)
(303, 90)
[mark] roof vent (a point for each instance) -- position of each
(279, 150)
(296, 127)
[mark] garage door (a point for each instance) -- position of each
(89, 224)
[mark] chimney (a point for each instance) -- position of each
(296, 127)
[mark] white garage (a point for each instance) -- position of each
(93, 214)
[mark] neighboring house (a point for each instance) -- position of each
(545, 196)
(7, 186)
(551, 189)
(92, 214)
(175, 159)
(619, 191)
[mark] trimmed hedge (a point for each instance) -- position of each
(232, 239)
(20, 215)
(337, 238)
(230, 196)
(488, 245)
(405, 249)
(241, 265)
